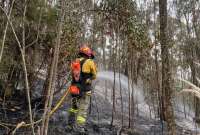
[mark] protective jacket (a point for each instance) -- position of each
(88, 73)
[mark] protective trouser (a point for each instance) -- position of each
(79, 109)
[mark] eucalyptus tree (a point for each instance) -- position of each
(188, 23)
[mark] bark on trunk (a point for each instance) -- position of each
(53, 73)
(166, 74)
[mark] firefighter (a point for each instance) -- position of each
(83, 72)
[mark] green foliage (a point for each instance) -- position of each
(40, 31)
(123, 15)
(137, 34)
(52, 16)
(70, 38)
(38, 12)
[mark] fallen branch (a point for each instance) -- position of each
(6, 125)
(59, 103)
(191, 84)
(17, 127)
(193, 91)
(3, 125)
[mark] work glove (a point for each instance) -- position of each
(88, 81)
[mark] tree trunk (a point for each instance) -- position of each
(121, 96)
(194, 59)
(45, 87)
(53, 73)
(166, 73)
(113, 96)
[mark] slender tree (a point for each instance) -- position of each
(166, 72)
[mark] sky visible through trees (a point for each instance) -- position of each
(151, 47)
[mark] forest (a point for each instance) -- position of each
(146, 53)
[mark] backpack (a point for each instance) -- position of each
(76, 71)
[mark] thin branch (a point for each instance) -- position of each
(5, 31)
(53, 73)
(13, 30)
(25, 70)
(38, 32)
(22, 50)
